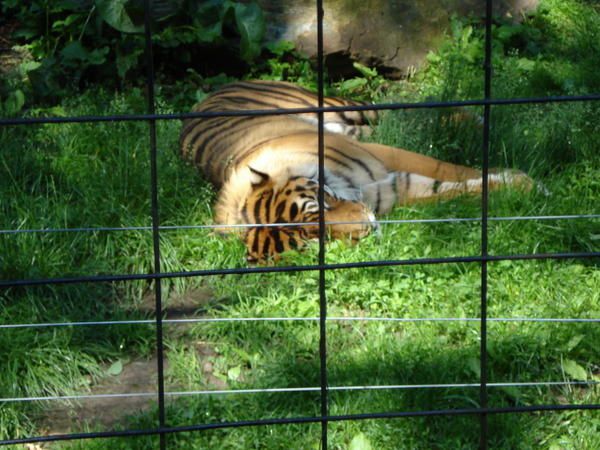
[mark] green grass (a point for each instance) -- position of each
(80, 175)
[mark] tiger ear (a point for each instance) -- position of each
(257, 178)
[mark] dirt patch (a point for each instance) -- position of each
(110, 413)
(107, 413)
(193, 302)
(137, 376)
(10, 54)
(206, 357)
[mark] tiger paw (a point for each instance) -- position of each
(512, 178)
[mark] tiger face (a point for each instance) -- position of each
(295, 206)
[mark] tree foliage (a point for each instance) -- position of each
(70, 42)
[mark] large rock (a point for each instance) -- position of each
(394, 35)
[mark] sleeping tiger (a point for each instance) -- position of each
(266, 169)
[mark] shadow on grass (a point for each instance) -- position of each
(405, 362)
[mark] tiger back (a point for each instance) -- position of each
(216, 145)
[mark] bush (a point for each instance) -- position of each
(72, 42)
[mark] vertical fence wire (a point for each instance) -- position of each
(483, 394)
(155, 221)
(321, 199)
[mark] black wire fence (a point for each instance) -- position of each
(483, 411)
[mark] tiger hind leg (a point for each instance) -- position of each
(337, 125)
(400, 160)
(352, 131)
(354, 124)
(412, 187)
(420, 177)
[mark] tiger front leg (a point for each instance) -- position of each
(349, 220)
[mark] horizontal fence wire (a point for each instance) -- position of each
(300, 420)
(299, 224)
(301, 319)
(301, 268)
(286, 111)
(292, 390)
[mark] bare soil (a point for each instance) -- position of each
(137, 376)
(106, 413)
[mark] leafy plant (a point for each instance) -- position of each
(77, 41)
(285, 63)
(370, 85)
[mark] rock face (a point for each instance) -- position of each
(393, 35)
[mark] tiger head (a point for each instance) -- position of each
(294, 204)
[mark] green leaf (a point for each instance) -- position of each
(115, 14)
(505, 32)
(164, 9)
(116, 368)
(360, 442)
(207, 21)
(574, 370)
(97, 56)
(525, 64)
(280, 48)
(125, 61)
(474, 366)
(26, 33)
(466, 34)
(234, 373)
(574, 341)
(353, 84)
(364, 70)
(74, 52)
(512, 391)
(28, 66)
(14, 102)
(11, 3)
(433, 57)
(62, 24)
(251, 26)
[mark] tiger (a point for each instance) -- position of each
(265, 168)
